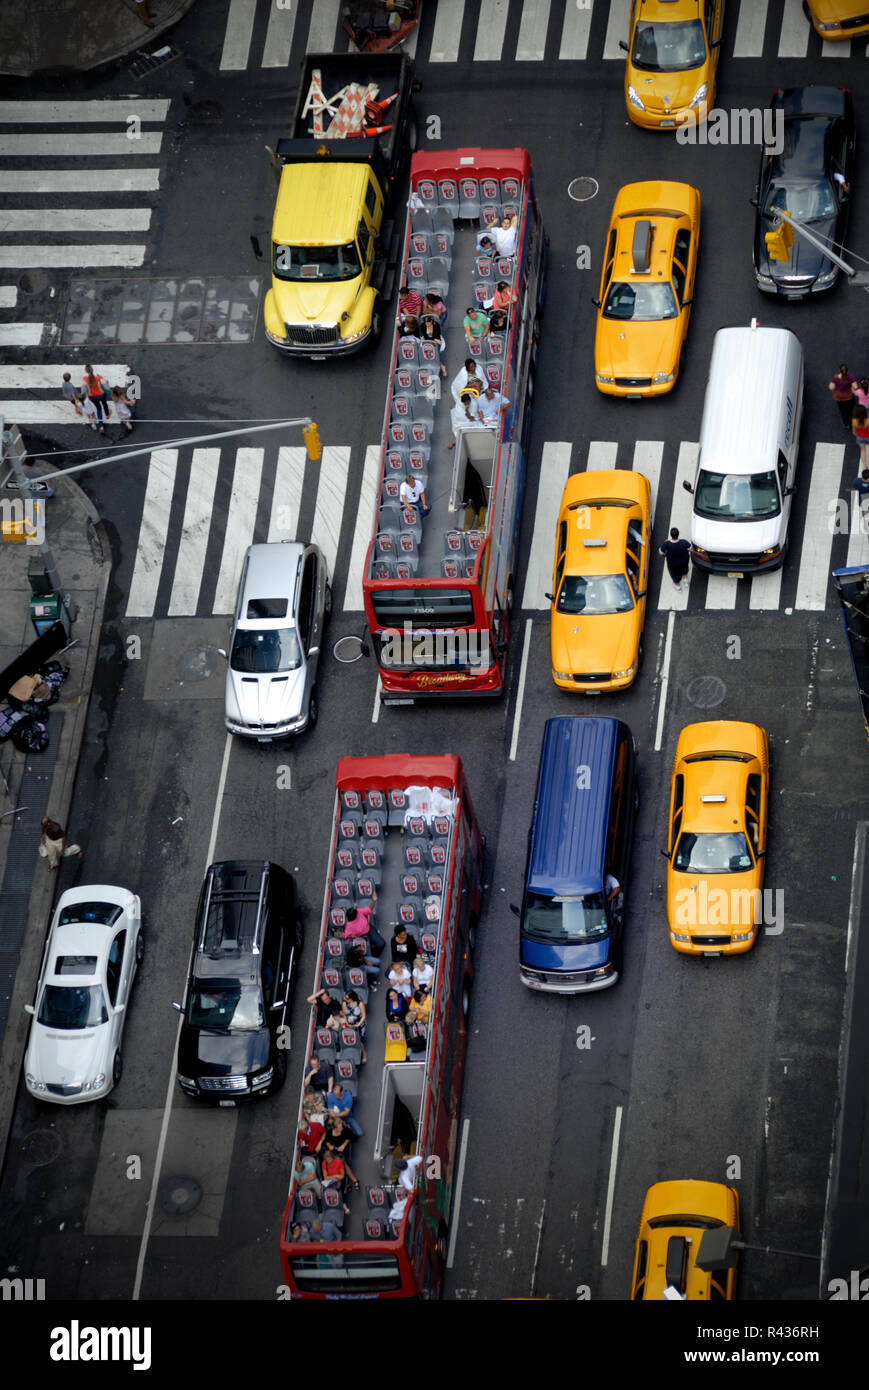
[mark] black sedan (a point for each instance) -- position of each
(807, 171)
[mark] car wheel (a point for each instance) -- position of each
(327, 601)
(466, 1001)
(312, 709)
(117, 1068)
(140, 948)
(443, 1246)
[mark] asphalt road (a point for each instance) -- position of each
(721, 1069)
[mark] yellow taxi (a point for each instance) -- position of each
(716, 841)
(600, 579)
(672, 58)
(839, 19)
(674, 1218)
(646, 288)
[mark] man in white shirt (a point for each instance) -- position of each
(506, 236)
(411, 494)
(465, 415)
(491, 405)
(407, 1171)
(466, 377)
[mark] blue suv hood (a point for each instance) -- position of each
(547, 955)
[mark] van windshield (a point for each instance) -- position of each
(317, 262)
(737, 496)
(566, 919)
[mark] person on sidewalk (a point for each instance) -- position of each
(97, 390)
(677, 554)
(53, 846)
(70, 393)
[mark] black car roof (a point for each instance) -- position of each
(811, 101)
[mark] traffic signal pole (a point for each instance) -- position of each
(804, 232)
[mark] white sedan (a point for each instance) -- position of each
(94, 945)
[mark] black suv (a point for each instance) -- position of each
(234, 1041)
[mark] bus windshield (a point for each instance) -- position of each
(346, 1272)
(432, 606)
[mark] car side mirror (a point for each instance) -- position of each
(789, 491)
(179, 1007)
(119, 1008)
(686, 303)
(759, 853)
(29, 1009)
(623, 45)
(716, 43)
(595, 302)
(313, 651)
(641, 593)
(514, 909)
(551, 597)
(688, 488)
(666, 853)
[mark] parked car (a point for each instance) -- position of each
(600, 580)
(672, 60)
(92, 951)
(716, 837)
(283, 602)
(811, 179)
(674, 1218)
(248, 939)
(646, 288)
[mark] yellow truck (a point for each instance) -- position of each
(335, 243)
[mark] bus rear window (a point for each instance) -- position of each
(450, 607)
(343, 1274)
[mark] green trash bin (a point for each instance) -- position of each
(46, 610)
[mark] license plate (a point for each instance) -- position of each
(633, 396)
(712, 955)
(735, 574)
(666, 123)
(398, 702)
(230, 1104)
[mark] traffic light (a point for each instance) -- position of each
(312, 441)
(779, 242)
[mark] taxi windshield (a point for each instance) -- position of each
(317, 262)
(674, 46)
(726, 853)
(594, 594)
(640, 303)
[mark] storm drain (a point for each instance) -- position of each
(201, 310)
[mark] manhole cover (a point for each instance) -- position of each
(41, 1147)
(580, 190)
(179, 1196)
(197, 665)
(205, 113)
(705, 691)
(33, 282)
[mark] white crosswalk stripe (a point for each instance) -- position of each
(194, 487)
(259, 33)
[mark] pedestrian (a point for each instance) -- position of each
(123, 407)
(860, 430)
(476, 325)
(491, 406)
(53, 845)
(676, 553)
(97, 390)
(467, 378)
(842, 387)
(89, 411)
(412, 494)
(70, 393)
(861, 393)
(860, 485)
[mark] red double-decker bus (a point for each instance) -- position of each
(405, 839)
(438, 587)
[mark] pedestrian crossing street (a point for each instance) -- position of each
(204, 506)
(260, 33)
(78, 185)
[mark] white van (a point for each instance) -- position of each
(748, 451)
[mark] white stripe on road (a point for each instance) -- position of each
(364, 529)
(329, 507)
(520, 693)
(750, 29)
(240, 524)
(8, 296)
(611, 1187)
(795, 30)
(198, 509)
(680, 516)
(602, 453)
(75, 219)
(835, 48)
(20, 334)
(27, 411)
(447, 31)
(721, 591)
(279, 36)
(80, 112)
(44, 378)
(75, 143)
(151, 548)
(65, 257)
(766, 590)
(648, 456)
(79, 180)
(814, 576)
(665, 680)
(490, 30)
(616, 29)
(554, 470)
(287, 494)
(237, 36)
(324, 26)
(574, 34)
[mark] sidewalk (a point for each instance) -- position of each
(77, 35)
(43, 782)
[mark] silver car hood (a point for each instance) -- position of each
(259, 701)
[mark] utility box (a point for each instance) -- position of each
(39, 581)
(46, 610)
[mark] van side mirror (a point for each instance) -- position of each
(789, 491)
(222, 653)
(514, 909)
(688, 488)
(29, 1009)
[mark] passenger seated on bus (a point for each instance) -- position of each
(485, 244)
(319, 1074)
(409, 303)
(340, 1102)
(324, 1002)
(314, 1106)
(396, 1006)
(403, 946)
(321, 1230)
(430, 332)
(491, 406)
(337, 1017)
(400, 978)
(338, 1136)
(475, 323)
(312, 1132)
(434, 306)
(305, 1175)
(356, 1015)
(408, 327)
(420, 1009)
(498, 321)
(336, 1170)
(501, 299)
(358, 923)
(467, 378)
(423, 973)
(356, 956)
(465, 416)
(506, 235)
